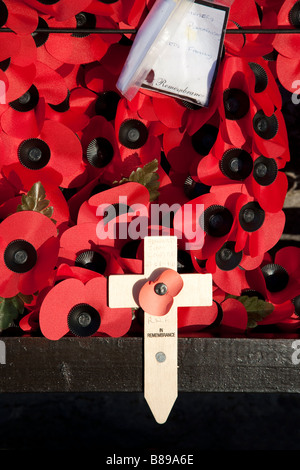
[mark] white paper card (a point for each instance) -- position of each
(187, 66)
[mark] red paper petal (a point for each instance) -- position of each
(235, 317)
(21, 18)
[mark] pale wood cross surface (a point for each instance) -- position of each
(160, 332)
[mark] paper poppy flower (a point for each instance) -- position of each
(260, 176)
(81, 247)
(72, 307)
(29, 249)
(26, 115)
(257, 230)
(177, 142)
(281, 275)
(269, 132)
(230, 268)
(137, 145)
(44, 157)
(157, 297)
(248, 89)
(100, 148)
(208, 220)
(233, 317)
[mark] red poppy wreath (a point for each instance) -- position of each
(71, 143)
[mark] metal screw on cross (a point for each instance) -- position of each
(162, 300)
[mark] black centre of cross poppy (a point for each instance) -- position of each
(84, 20)
(265, 170)
(204, 139)
(236, 104)
(3, 14)
(27, 101)
(106, 104)
(265, 126)
(100, 152)
(276, 277)
(236, 164)
(261, 77)
(160, 288)
(108, 2)
(34, 154)
(216, 221)
(251, 217)
(193, 189)
(133, 134)
(227, 258)
(294, 15)
(20, 256)
(83, 320)
(40, 37)
(91, 260)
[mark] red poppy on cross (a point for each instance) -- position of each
(161, 290)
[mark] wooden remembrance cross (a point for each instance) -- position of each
(160, 332)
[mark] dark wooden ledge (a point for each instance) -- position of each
(206, 364)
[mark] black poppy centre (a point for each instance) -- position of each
(83, 320)
(276, 277)
(294, 15)
(84, 20)
(265, 170)
(227, 258)
(216, 221)
(236, 164)
(265, 127)
(91, 260)
(236, 104)
(20, 256)
(27, 101)
(34, 154)
(251, 217)
(100, 152)
(133, 134)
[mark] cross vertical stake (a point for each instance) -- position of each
(160, 332)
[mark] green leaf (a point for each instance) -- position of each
(35, 200)
(147, 176)
(257, 309)
(10, 309)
